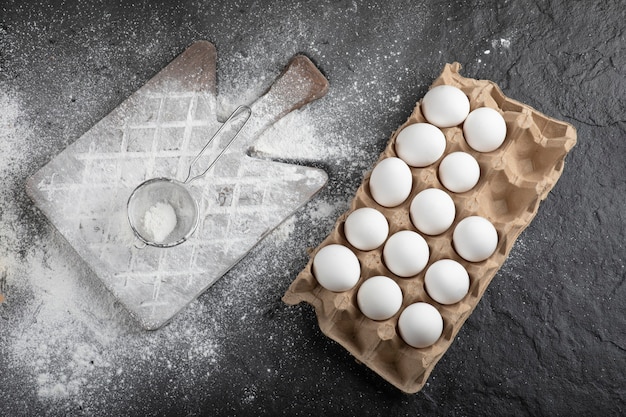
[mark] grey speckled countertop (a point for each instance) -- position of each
(548, 337)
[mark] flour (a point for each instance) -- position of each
(70, 335)
(159, 221)
(73, 344)
(59, 323)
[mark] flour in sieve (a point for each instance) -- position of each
(159, 221)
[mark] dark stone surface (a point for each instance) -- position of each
(549, 336)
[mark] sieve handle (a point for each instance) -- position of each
(240, 115)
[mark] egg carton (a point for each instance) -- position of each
(515, 178)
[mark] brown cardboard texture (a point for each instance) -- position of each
(514, 179)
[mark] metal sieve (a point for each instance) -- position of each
(174, 196)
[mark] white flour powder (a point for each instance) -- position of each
(159, 221)
(70, 341)
(67, 331)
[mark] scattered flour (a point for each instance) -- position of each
(323, 210)
(76, 345)
(501, 43)
(59, 323)
(296, 136)
(68, 333)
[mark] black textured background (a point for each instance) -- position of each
(549, 336)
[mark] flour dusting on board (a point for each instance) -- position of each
(73, 338)
(72, 345)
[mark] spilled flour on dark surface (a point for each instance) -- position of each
(63, 327)
(73, 344)
(544, 340)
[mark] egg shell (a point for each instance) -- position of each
(445, 106)
(366, 228)
(446, 281)
(420, 144)
(420, 325)
(390, 182)
(432, 211)
(406, 253)
(379, 298)
(336, 268)
(484, 129)
(459, 172)
(475, 238)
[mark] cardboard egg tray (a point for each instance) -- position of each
(514, 179)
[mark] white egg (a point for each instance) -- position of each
(379, 298)
(484, 129)
(447, 281)
(406, 253)
(336, 268)
(391, 182)
(420, 325)
(366, 228)
(420, 144)
(445, 106)
(459, 172)
(475, 238)
(432, 211)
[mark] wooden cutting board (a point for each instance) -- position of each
(156, 132)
